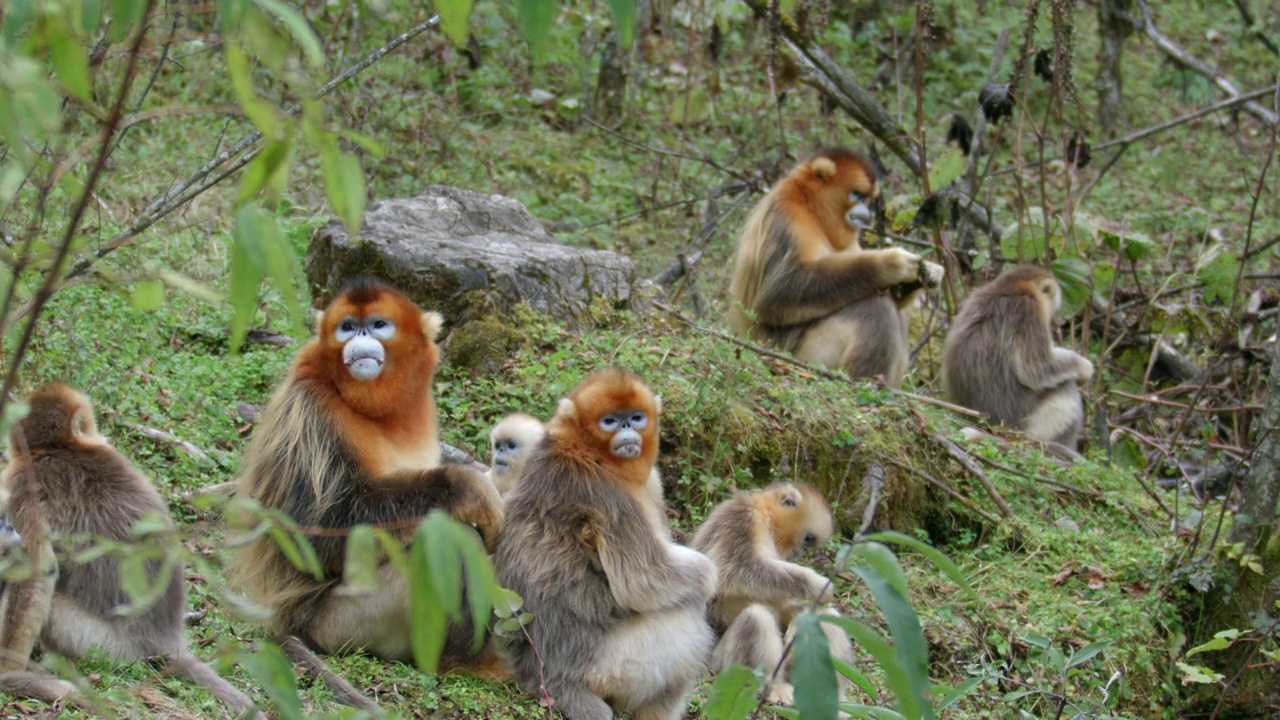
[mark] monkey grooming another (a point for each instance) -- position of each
(752, 537)
(351, 438)
(803, 283)
(66, 480)
(999, 358)
(619, 610)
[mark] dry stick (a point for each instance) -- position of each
(967, 461)
(969, 178)
(822, 372)
(183, 445)
(1184, 406)
(77, 213)
(315, 667)
(1036, 477)
(179, 196)
(1187, 60)
(964, 500)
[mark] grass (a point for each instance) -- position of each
(731, 421)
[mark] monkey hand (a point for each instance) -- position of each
(781, 693)
(820, 589)
(931, 273)
(899, 266)
(706, 578)
(1085, 368)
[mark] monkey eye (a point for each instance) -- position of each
(608, 422)
(512, 445)
(347, 326)
(856, 197)
(639, 420)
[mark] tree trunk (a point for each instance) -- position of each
(1262, 485)
(1114, 26)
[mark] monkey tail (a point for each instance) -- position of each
(35, 685)
(192, 668)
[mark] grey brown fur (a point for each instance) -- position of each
(999, 358)
(68, 482)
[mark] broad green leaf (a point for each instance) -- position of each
(858, 710)
(90, 15)
(1217, 268)
(289, 545)
(126, 16)
(148, 295)
(883, 561)
(395, 552)
(1087, 652)
(732, 695)
(886, 656)
(16, 15)
(1197, 674)
(444, 562)
(247, 270)
(70, 61)
(1104, 276)
(483, 589)
(506, 603)
(1127, 454)
(945, 169)
(1039, 641)
(299, 28)
(455, 15)
(1074, 277)
(935, 556)
(344, 182)
(1136, 245)
(284, 269)
(1220, 641)
(812, 674)
(360, 565)
(856, 677)
(427, 615)
(192, 287)
(275, 675)
(904, 626)
(624, 19)
(144, 578)
(536, 17)
(260, 112)
(267, 171)
(371, 146)
(951, 696)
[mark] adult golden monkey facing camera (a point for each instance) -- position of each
(803, 283)
(351, 438)
(619, 610)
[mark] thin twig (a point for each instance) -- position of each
(963, 499)
(974, 469)
(344, 691)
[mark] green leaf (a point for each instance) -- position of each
(811, 671)
(1074, 277)
(70, 61)
(268, 171)
(148, 295)
(886, 657)
(275, 675)
(857, 710)
(934, 555)
(1087, 652)
(883, 561)
(90, 15)
(1197, 674)
(624, 19)
(455, 15)
(1217, 268)
(904, 626)
(344, 183)
(247, 270)
(192, 287)
(733, 694)
(299, 28)
(288, 544)
(1220, 641)
(483, 589)
(144, 578)
(953, 695)
(1127, 454)
(443, 561)
(427, 615)
(360, 565)
(16, 15)
(857, 678)
(536, 17)
(126, 16)
(260, 112)
(945, 169)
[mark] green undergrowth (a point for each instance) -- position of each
(730, 421)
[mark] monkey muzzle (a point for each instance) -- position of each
(500, 461)
(859, 216)
(626, 444)
(363, 357)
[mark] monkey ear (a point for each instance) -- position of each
(567, 410)
(432, 321)
(317, 318)
(822, 168)
(657, 404)
(790, 497)
(1048, 287)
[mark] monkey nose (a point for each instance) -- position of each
(859, 216)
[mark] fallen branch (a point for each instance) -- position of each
(968, 463)
(872, 484)
(344, 691)
(821, 372)
(452, 455)
(1057, 453)
(182, 445)
(1189, 61)
(963, 499)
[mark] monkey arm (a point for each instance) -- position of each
(1046, 369)
(646, 574)
(774, 581)
(793, 291)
